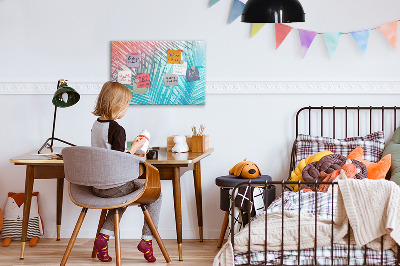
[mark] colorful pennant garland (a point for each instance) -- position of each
(361, 37)
(389, 30)
(237, 8)
(213, 2)
(332, 41)
(281, 31)
(306, 39)
(256, 27)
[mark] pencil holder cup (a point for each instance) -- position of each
(200, 143)
(152, 155)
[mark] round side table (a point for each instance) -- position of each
(228, 182)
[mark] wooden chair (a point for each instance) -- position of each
(85, 167)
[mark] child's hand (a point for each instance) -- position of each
(137, 144)
(143, 155)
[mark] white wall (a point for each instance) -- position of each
(42, 41)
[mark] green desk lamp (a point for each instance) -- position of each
(65, 96)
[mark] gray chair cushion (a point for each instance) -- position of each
(84, 196)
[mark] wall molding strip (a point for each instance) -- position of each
(231, 87)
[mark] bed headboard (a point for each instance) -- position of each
(344, 121)
(347, 116)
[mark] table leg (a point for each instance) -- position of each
(199, 204)
(60, 190)
(176, 183)
(27, 206)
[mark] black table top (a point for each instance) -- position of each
(230, 181)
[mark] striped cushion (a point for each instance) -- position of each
(372, 145)
(13, 228)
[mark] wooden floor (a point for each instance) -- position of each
(50, 252)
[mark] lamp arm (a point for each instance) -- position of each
(54, 126)
(54, 119)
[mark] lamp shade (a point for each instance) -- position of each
(65, 96)
(273, 11)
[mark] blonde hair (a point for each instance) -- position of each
(112, 99)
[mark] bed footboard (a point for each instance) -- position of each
(310, 254)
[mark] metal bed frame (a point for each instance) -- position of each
(283, 184)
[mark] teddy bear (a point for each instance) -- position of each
(180, 144)
(13, 215)
(245, 169)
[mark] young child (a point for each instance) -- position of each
(112, 104)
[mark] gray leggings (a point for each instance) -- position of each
(154, 208)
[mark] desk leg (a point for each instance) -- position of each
(197, 189)
(27, 206)
(176, 182)
(60, 190)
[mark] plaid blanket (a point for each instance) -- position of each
(306, 201)
(340, 254)
(323, 205)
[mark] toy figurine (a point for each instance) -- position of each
(180, 144)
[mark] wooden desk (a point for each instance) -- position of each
(168, 164)
(40, 167)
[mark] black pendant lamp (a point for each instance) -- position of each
(273, 11)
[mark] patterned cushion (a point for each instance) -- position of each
(372, 144)
(13, 228)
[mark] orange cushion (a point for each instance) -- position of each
(375, 170)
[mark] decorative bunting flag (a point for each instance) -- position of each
(213, 2)
(332, 41)
(256, 28)
(281, 31)
(237, 9)
(389, 30)
(306, 39)
(361, 37)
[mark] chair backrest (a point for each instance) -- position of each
(92, 166)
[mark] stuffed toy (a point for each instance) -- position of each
(245, 169)
(180, 144)
(375, 170)
(296, 174)
(13, 215)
